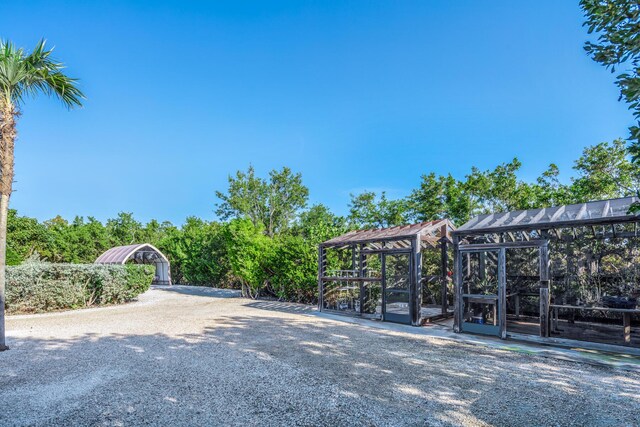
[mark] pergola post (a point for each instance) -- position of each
(545, 298)
(415, 294)
(457, 284)
(320, 276)
(444, 276)
(361, 266)
(502, 293)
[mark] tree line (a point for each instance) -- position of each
(266, 236)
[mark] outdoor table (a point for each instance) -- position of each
(485, 299)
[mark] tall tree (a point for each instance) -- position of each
(604, 172)
(270, 204)
(368, 210)
(617, 24)
(22, 75)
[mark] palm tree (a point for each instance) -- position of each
(23, 75)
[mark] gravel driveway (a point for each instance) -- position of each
(193, 356)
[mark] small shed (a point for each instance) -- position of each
(398, 274)
(141, 253)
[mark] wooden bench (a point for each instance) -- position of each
(626, 316)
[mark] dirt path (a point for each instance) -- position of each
(202, 357)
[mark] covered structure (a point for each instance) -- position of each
(566, 272)
(398, 274)
(141, 253)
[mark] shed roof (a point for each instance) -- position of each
(427, 229)
(121, 254)
(580, 214)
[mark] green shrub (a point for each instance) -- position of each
(37, 286)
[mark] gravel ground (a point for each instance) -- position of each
(193, 356)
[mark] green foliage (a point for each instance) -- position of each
(241, 252)
(197, 252)
(605, 171)
(367, 210)
(617, 22)
(37, 286)
(293, 269)
(319, 224)
(271, 204)
(249, 251)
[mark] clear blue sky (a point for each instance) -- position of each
(355, 95)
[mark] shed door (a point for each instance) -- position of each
(396, 285)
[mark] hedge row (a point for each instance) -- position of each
(35, 287)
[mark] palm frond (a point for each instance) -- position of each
(31, 74)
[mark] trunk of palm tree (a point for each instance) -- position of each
(7, 142)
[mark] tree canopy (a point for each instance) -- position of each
(239, 250)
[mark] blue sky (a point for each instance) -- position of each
(355, 95)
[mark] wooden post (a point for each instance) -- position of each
(383, 273)
(517, 303)
(482, 265)
(626, 324)
(457, 284)
(545, 301)
(502, 293)
(415, 286)
(320, 275)
(361, 275)
(353, 257)
(444, 263)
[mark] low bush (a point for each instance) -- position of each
(37, 286)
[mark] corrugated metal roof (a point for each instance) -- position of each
(121, 254)
(556, 216)
(427, 229)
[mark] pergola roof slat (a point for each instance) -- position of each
(393, 233)
(568, 216)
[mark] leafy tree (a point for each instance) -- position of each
(617, 24)
(293, 269)
(198, 253)
(549, 191)
(271, 204)
(367, 210)
(249, 251)
(440, 197)
(319, 224)
(605, 171)
(496, 190)
(25, 236)
(124, 230)
(21, 75)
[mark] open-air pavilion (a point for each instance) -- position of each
(569, 272)
(141, 253)
(398, 274)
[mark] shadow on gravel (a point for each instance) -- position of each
(201, 291)
(283, 307)
(273, 371)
